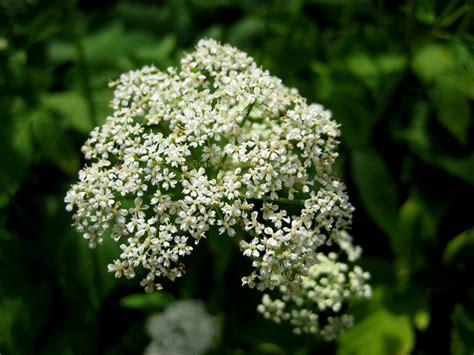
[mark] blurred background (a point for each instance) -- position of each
(399, 78)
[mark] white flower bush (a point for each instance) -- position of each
(218, 145)
(184, 328)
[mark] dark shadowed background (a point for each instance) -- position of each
(398, 77)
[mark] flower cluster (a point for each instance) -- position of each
(267, 181)
(184, 328)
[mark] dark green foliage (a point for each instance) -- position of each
(399, 77)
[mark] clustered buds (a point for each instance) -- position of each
(264, 177)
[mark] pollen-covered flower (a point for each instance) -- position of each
(266, 180)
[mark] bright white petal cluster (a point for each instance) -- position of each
(219, 146)
(184, 328)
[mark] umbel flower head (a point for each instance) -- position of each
(184, 328)
(218, 145)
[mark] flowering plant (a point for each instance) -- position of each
(219, 143)
(183, 328)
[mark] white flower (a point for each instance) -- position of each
(218, 144)
(184, 328)
(253, 248)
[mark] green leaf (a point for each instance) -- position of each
(158, 54)
(61, 51)
(431, 61)
(269, 349)
(382, 332)
(417, 137)
(415, 230)
(463, 77)
(103, 45)
(22, 131)
(459, 252)
(460, 167)
(84, 278)
(112, 46)
(389, 63)
(72, 107)
(54, 143)
(462, 341)
(376, 188)
(364, 67)
(147, 301)
(13, 314)
(452, 110)
(16, 150)
(245, 30)
(425, 11)
(357, 119)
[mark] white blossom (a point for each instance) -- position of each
(219, 146)
(184, 328)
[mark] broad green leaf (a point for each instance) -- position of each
(431, 61)
(389, 63)
(112, 46)
(382, 332)
(72, 107)
(17, 150)
(349, 108)
(62, 51)
(452, 109)
(376, 188)
(84, 277)
(463, 77)
(270, 349)
(104, 44)
(364, 67)
(147, 301)
(425, 11)
(54, 143)
(245, 30)
(462, 341)
(13, 314)
(22, 131)
(460, 167)
(415, 134)
(459, 252)
(415, 229)
(158, 54)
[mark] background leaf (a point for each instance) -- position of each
(147, 301)
(376, 187)
(459, 252)
(382, 332)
